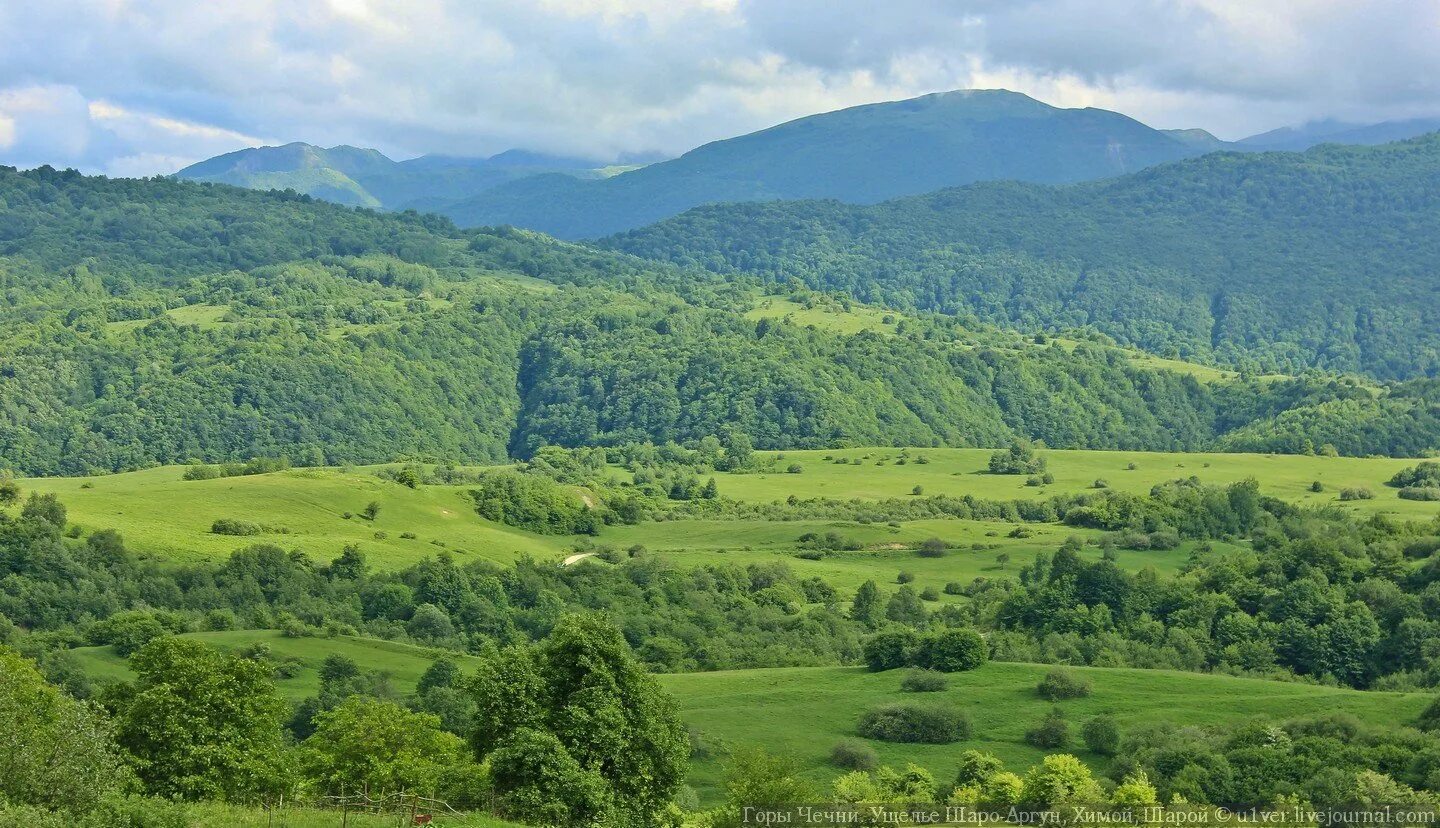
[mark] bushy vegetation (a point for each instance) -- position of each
(925, 724)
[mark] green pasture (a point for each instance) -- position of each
(403, 663)
(880, 474)
(161, 514)
(804, 711)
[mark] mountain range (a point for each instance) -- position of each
(859, 155)
(367, 178)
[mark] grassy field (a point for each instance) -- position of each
(404, 663)
(827, 316)
(804, 711)
(963, 471)
(161, 514)
(889, 549)
(164, 516)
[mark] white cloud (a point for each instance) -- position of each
(129, 83)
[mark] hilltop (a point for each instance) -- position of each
(862, 154)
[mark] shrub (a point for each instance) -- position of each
(1100, 483)
(1059, 685)
(1101, 735)
(952, 650)
(1317, 486)
(930, 593)
(933, 548)
(924, 681)
(201, 473)
(240, 528)
(855, 755)
(915, 723)
(1420, 493)
(890, 648)
(1020, 458)
(1356, 494)
(1050, 733)
(904, 577)
(1425, 475)
(954, 588)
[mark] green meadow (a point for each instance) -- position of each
(404, 663)
(804, 711)
(881, 474)
(164, 516)
(161, 514)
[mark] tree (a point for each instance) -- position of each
(350, 565)
(442, 673)
(952, 650)
(54, 751)
(890, 648)
(583, 693)
(430, 624)
(758, 779)
(1060, 778)
(738, 449)
(1101, 735)
(371, 510)
(1135, 790)
(45, 508)
(933, 548)
(201, 724)
(540, 781)
(9, 490)
(1050, 732)
(905, 607)
(868, 607)
(378, 746)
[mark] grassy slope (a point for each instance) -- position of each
(888, 549)
(161, 514)
(962, 472)
(806, 710)
(403, 662)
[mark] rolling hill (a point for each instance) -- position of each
(1265, 261)
(863, 154)
(164, 321)
(367, 178)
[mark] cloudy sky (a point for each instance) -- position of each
(135, 87)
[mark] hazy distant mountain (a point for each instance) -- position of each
(367, 178)
(863, 154)
(1338, 132)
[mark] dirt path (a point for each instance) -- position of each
(576, 558)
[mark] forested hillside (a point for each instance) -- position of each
(1273, 261)
(162, 321)
(860, 155)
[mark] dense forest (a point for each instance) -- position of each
(160, 321)
(1271, 261)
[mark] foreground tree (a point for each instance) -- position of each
(54, 751)
(373, 745)
(201, 724)
(556, 717)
